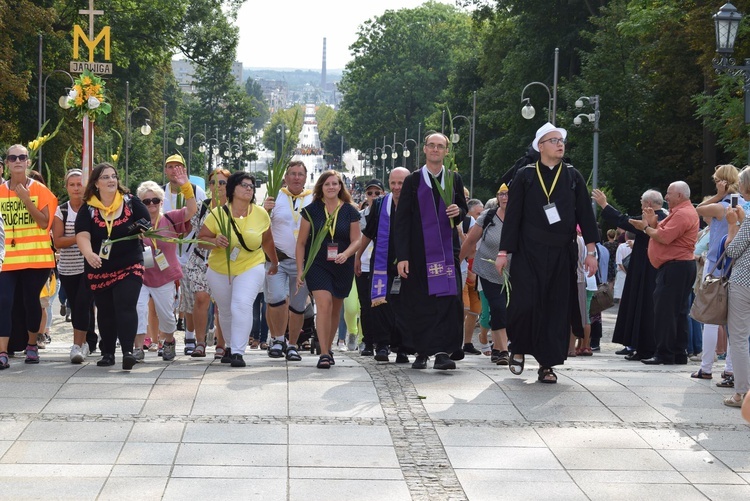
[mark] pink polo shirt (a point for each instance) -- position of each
(678, 232)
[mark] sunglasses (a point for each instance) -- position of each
(248, 186)
(373, 193)
(151, 201)
(13, 158)
(221, 182)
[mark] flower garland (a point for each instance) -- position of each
(87, 96)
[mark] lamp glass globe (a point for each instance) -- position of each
(394, 155)
(145, 129)
(202, 148)
(455, 137)
(384, 156)
(179, 141)
(407, 153)
(63, 102)
(528, 112)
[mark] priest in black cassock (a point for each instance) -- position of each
(546, 201)
(427, 250)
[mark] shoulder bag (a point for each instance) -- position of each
(710, 304)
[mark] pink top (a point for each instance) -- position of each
(678, 232)
(155, 277)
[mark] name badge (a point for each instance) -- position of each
(161, 261)
(333, 251)
(396, 287)
(551, 212)
(235, 254)
(296, 234)
(105, 249)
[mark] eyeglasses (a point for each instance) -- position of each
(151, 201)
(434, 146)
(221, 182)
(13, 158)
(502, 194)
(248, 186)
(554, 141)
(108, 177)
(373, 193)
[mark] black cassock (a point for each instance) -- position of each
(543, 296)
(432, 324)
(635, 317)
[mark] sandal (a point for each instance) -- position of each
(586, 352)
(219, 353)
(727, 382)
(547, 375)
(199, 350)
(516, 366)
(292, 354)
(254, 345)
(701, 375)
(263, 346)
(503, 358)
(4, 360)
(573, 353)
(324, 362)
(734, 400)
(486, 349)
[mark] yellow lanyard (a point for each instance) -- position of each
(156, 228)
(295, 212)
(109, 224)
(554, 183)
(332, 229)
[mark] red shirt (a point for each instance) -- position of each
(678, 233)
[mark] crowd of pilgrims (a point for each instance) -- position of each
(236, 273)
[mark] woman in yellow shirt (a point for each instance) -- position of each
(239, 234)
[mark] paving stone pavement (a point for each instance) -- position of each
(364, 430)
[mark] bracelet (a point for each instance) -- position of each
(187, 191)
(502, 253)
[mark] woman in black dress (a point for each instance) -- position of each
(331, 274)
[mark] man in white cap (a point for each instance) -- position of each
(173, 200)
(546, 201)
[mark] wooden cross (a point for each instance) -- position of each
(91, 13)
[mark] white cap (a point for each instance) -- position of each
(544, 130)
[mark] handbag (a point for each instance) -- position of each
(602, 299)
(710, 304)
(148, 257)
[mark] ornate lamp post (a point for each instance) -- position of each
(727, 24)
(62, 102)
(145, 128)
(201, 148)
(472, 133)
(528, 111)
(591, 117)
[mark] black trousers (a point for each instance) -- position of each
(365, 316)
(117, 314)
(80, 299)
(674, 280)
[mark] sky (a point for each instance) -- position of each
(289, 33)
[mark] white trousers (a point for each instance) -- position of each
(235, 302)
(163, 303)
(738, 319)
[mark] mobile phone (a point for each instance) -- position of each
(735, 198)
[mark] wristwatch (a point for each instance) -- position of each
(592, 253)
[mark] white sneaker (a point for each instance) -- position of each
(85, 350)
(139, 355)
(76, 355)
(352, 342)
(341, 345)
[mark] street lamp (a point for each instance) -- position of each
(384, 156)
(201, 148)
(165, 145)
(213, 145)
(472, 135)
(145, 128)
(727, 24)
(407, 153)
(62, 101)
(591, 117)
(528, 111)
(282, 129)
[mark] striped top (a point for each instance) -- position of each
(27, 245)
(71, 259)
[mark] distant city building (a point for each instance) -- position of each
(275, 92)
(184, 73)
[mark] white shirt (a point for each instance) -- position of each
(285, 221)
(623, 251)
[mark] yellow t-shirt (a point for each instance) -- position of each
(251, 228)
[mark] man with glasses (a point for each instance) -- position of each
(285, 215)
(546, 201)
(174, 200)
(427, 250)
(373, 190)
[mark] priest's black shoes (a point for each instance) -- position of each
(657, 360)
(443, 362)
(420, 362)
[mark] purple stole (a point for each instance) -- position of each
(438, 245)
(379, 287)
